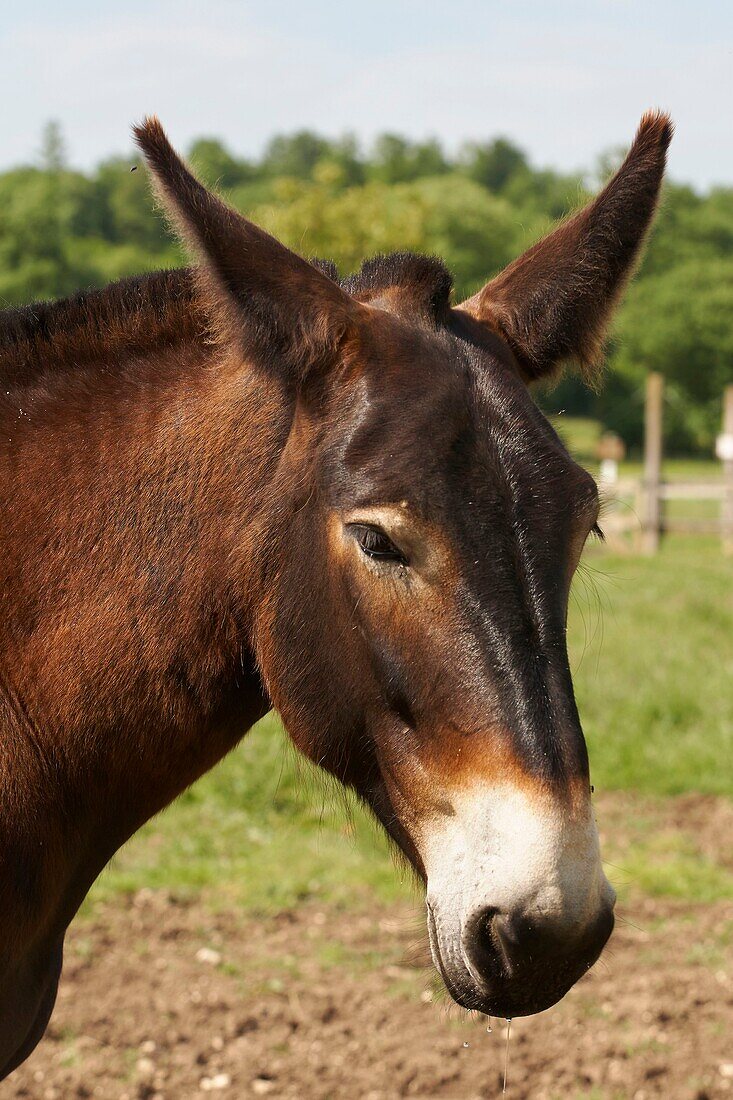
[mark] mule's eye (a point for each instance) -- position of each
(376, 544)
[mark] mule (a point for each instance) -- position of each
(248, 485)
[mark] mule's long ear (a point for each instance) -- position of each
(553, 304)
(264, 297)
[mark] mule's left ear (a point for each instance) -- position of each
(287, 313)
(553, 304)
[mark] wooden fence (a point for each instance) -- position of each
(636, 509)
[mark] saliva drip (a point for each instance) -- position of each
(506, 1053)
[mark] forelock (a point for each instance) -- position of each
(419, 284)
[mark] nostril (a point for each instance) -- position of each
(504, 944)
(498, 943)
(481, 925)
(521, 940)
(483, 944)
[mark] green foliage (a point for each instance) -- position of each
(125, 209)
(53, 149)
(62, 230)
(494, 164)
(680, 323)
(39, 215)
(396, 160)
(475, 232)
(216, 166)
(295, 155)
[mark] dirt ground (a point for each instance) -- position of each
(165, 998)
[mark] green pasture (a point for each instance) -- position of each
(651, 644)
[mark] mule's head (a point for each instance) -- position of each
(416, 559)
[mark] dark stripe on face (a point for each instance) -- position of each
(514, 540)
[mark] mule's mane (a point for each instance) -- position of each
(135, 315)
(126, 318)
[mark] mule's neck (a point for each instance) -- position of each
(128, 500)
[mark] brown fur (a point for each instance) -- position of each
(176, 453)
(554, 303)
(123, 320)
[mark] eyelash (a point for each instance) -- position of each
(376, 544)
(597, 532)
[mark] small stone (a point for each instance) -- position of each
(217, 1043)
(725, 1069)
(148, 1047)
(208, 955)
(426, 997)
(262, 1085)
(213, 1084)
(145, 1068)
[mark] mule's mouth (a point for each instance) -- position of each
(485, 967)
(455, 974)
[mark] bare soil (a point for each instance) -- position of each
(164, 997)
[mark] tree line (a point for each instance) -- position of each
(62, 230)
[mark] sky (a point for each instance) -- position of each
(566, 80)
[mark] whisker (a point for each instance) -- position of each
(625, 920)
(616, 866)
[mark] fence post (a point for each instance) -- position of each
(726, 512)
(651, 524)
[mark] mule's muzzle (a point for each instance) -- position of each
(518, 905)
(519, 964)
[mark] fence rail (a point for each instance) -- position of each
(637, 508)
(708, 489)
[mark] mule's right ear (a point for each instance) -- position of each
(264, 297)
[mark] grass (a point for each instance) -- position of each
(665, 866)
(262, 830)
(651, 643)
